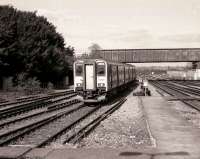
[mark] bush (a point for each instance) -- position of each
(29, 86)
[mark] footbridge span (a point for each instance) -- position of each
(151, 55)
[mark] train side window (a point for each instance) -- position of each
(114, 70)
(79, 69)
(100, 69)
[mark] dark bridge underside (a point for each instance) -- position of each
(151, 55)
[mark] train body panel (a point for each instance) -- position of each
(102, 80)
(89, 77)
(95, 79)
(78, 75)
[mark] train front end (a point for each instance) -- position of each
(90, 80)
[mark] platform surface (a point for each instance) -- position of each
(173, 134)
(12, 152)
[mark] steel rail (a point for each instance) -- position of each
(179, 89)
(83, 132)
(191, 90)
(191, 104)
(53, 108)
(187, 84)
(67, 127)
(49, 96)
(19, 132)
(167, 89)
(30, 106)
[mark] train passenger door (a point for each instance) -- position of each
(89, 77)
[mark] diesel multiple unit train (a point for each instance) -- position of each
(96, 80)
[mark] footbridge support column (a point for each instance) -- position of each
(196, 67)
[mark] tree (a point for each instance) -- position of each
(30, 44)
(11, 59)
(93, 50)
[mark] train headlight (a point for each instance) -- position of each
(79, 84)
(101, 84)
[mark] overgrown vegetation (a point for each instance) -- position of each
(92, 54)
(30, 45)
(30, 86)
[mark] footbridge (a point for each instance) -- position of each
(151, 55)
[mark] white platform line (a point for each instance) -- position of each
(153, 140)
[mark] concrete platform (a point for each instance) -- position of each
(172, 133)
(88, 153)
(12, 152)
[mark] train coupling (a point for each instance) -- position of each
(97, 99)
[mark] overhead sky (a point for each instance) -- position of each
(115, 24)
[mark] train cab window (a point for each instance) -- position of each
(79, 69)
(100, 69)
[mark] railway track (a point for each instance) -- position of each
(57, 118)
(21, 108)
(35, 97)
(31, 99)
(49, 109)
(63, 118)
(169, 89)
(192, 85)
(68, 125)
(187, 90)
(85, 130)
(3, 100)
(10, 136)
(180, 94)
(186, 86)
